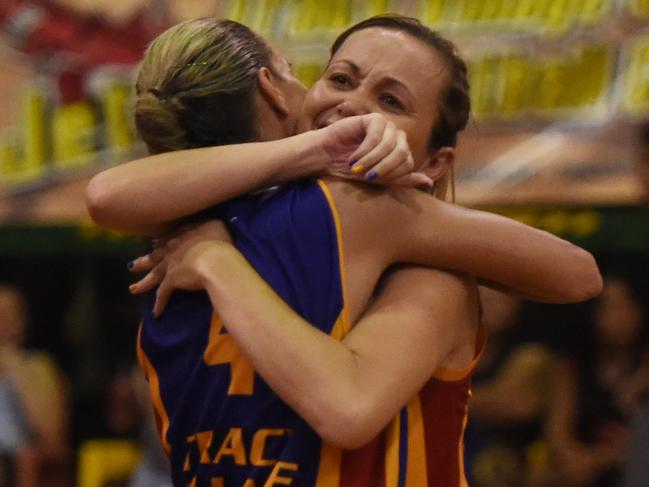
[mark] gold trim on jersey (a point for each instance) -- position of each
(448, 375)
(343, 324)
(154, 388)
(417, 472)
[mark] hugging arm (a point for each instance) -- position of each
(520, 259)
(147, 195)
(346, 390)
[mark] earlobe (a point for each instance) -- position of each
(270, 92)
(440, 163)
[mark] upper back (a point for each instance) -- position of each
(217, 417)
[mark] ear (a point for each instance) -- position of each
(269, 90)
(439, 163)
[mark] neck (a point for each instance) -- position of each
(270, 126)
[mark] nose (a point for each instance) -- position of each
(355, 102)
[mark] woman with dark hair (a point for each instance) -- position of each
(598, 387)
(404, 361)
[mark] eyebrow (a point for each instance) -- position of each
(388, 81)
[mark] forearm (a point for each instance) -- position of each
(312, 372)
(523, 260)
(144, 195)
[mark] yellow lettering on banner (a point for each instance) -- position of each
(266, 18)
(526, 12)
(216, 482)
(34, 121)
(558, 15)
(276, 476)
(192, 483)
(518, 83)
(222, 349)
(236, 10)
(261, 16)
(635, 84)
(10, 163)
(471, 11)
(250, 483)
(432, 11)
(119, 129)
(513, 85)
(375, 7)
(232, 446)
(593, 11)
(640, 8)
(259, 446)
(74, 129)
(311, 17)
(484, 76)
(31, 166)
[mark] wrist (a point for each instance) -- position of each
(211, 265)
(309, 157)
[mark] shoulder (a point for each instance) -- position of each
(372, 213)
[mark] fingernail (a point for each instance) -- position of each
(372, 175)
(132, 288)
(352, 162)
(358, 168)
(130, 265)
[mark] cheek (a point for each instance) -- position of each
(418, 141)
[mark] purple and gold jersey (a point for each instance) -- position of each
(220, 423)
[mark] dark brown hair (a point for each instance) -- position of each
(196, 83)
(455, 103)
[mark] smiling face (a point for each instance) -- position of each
(386, 71)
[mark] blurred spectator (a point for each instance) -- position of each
(597, 389)
(34, 393)
(509, 401)
(643, 164)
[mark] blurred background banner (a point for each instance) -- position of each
(559, 90)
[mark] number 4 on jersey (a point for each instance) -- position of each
(222, 349)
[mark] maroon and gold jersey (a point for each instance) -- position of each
(422, 447)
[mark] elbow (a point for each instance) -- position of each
(590, 284)
(347, 425)
(100, 199)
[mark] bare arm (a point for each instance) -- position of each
(145, 196)
(523, 260)
(411, 328)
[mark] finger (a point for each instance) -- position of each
(380, 150)
(162, 298)
(399, 162)
(415, 180)
(146, 262)
(148, 282)
(374, 132)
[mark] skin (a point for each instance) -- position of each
(373, 71)
(373, 375)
